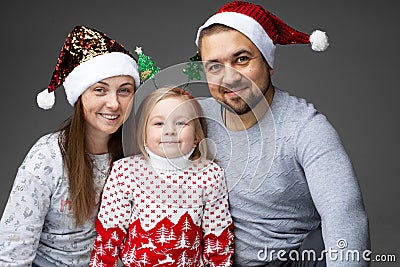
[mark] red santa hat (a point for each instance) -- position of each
(263, 28)
(88, 56)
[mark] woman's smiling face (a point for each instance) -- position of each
(106, 105)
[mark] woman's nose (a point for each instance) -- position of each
(112, 101)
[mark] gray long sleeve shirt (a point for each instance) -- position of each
(38, 224)
(287, 175)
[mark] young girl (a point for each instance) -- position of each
(167, 206)
(50, 216)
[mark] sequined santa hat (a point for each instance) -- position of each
(87, 56)
(263, 28)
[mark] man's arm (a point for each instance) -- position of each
(335, 191)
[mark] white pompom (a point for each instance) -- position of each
(319, 41)
(45, 100)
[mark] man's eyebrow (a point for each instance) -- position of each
(236, 54)
(208, 62)
(241, 51)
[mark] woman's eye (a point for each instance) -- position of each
(159, 123)
(99, 90)
(124, 91)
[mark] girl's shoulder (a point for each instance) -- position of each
(131, 160)
(207, 165)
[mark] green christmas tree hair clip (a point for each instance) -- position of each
(194, 69)
(147, 69)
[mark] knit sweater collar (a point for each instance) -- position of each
(169, 164)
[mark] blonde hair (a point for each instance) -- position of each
(201, 150)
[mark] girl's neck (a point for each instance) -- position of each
(169, 164)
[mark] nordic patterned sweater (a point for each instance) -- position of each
(287, 175)
(164, 213)
(38, 223)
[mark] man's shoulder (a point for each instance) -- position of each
(294, 108)
(301, 116)
(208, 100)
(209, 106)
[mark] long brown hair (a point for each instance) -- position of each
(79, 165)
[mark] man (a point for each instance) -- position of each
(289, 176)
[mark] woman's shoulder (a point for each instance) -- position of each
(46, 147)
(46, 142)
(44, 159)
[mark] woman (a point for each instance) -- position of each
(50, 214)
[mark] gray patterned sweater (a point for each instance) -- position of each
(37, 224)
(287, 175)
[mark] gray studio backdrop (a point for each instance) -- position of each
(354, 83)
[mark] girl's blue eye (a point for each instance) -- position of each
(181, 123)
(158, 123)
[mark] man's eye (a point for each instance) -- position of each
(242, 59)
(214, 67)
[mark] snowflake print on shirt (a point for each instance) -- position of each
(164, 218)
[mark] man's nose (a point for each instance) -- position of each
(231, 76)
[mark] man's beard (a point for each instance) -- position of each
(240, 106)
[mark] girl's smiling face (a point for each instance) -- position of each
(170, 129)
